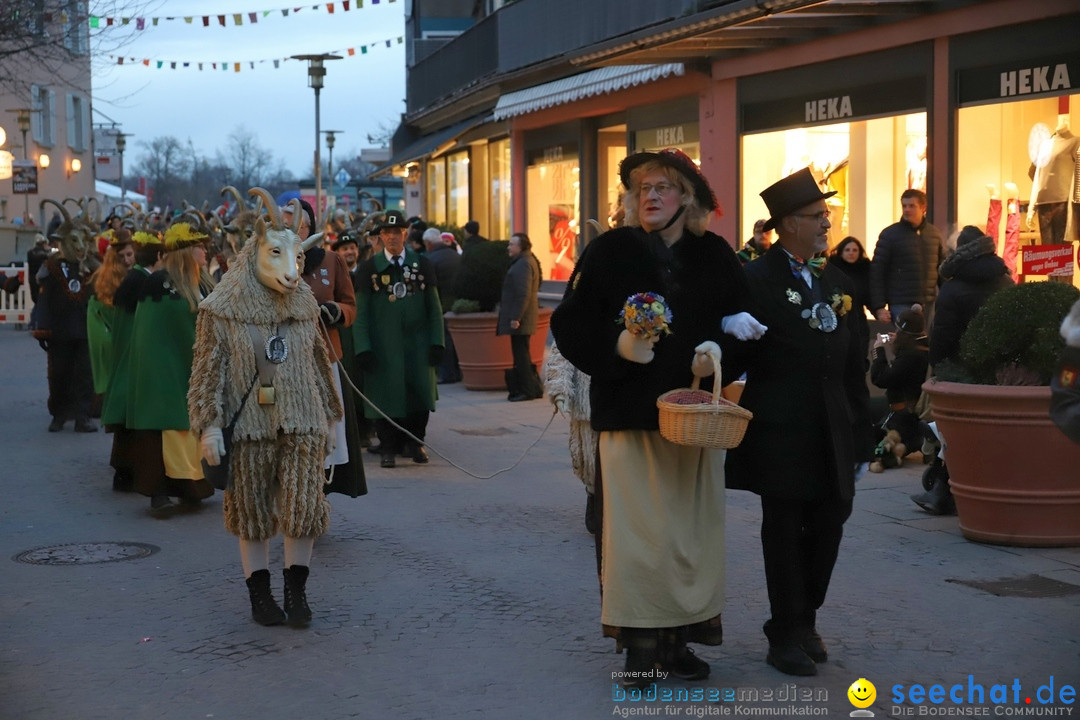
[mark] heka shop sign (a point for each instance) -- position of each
(1048, 259)
(1020, 80)
(826, 107)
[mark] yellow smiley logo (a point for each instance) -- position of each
(862, 693)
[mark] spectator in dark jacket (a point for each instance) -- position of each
(443, 254)
(518, 312)
(970, 275)
(902, 379)
(906, 261)
(850, 258)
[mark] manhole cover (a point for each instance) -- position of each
(86, 553)
(1027, 586)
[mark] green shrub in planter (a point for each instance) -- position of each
(481, 273)
(1014, 339)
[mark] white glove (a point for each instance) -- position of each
(635, 348)
(331, 441)
(743, 326)
(561, 405)
(212, 445)
(1070, 326)
(702, 364)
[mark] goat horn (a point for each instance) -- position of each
(236, 193)
(312, 241)
(97, 207)
(275, 214)
(61, 208)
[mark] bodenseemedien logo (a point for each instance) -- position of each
(862, 694)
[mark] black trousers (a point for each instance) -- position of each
(393, 440)
(800, 540)
(527, 381)
(71, 383)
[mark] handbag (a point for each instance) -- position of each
(218, 475)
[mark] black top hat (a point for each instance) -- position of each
(342, 240)
(678, 160)
(392, 219)
(788, 195)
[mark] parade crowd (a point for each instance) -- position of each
(262, 351)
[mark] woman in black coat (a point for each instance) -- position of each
(850, 258)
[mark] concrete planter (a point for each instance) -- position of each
(1013, 473)
(484, 357)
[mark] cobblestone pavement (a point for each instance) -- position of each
(440, 595)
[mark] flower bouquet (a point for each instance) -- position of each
(646, 315)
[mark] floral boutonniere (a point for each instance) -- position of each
(825, 316)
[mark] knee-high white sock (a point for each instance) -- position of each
(298, 551)
(254, 555)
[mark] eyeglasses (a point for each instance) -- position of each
(819, 216)
(662, 189)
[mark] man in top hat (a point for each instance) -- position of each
(398, 337)
(806, 386)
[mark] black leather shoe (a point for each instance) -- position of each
(161, 506)
(814, 647)
(387, 460)
(686, 665)
(420, 456)
(85, 426)
(56, 425)
(791, 660)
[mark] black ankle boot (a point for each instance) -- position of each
(264, 610)
(296, 606)
(678, 659)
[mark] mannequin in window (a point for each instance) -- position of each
(1052, 176)
(1012, 224)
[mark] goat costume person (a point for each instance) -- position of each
(281, 435)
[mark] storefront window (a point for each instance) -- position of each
(553, 207)
(611, 149)
(436, 191)
(1017, 175)
(868, 163)
(457, 203)
(499, 172)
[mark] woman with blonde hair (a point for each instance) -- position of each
(162, 343)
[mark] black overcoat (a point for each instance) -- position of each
(806, 388)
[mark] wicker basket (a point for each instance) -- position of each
(690, 416)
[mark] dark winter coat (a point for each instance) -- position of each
(806, 388)
(520, 299)
(859, 272)
(1065, 394)
(902, 380)
(905, 266)
(445, 261)
(702, 282)
(972, 274)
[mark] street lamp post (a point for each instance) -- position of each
(121, 144)
(316, 74)
(330, 162)
(23, 119)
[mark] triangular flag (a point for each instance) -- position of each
(351, 51)
(213, 65)
(94, 21)
(206, 21)
(200, 67)
(221, 20)
(238, 19)
(345, 5)
(146, 62)
(236, 67)
(387, 43)
(284, 13)
(172, 66)
(119, 61)
(108, 22)
(400, 39)
(125, 21)
(330, 8)
(160, 63)
(277, 63)
(187, 64)
(252, 65)
(253, 17)
(154, 21)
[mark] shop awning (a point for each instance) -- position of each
(594, 82)
(429, 144)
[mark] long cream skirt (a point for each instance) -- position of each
(663, 532)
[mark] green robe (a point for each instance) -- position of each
(162, 342)
(100, 329)
(114, 409)
(400, 332)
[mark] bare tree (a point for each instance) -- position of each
(48, 37)
(248, 161)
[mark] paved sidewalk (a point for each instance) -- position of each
(440, 595)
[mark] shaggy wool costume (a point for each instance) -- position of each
(278, 449)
